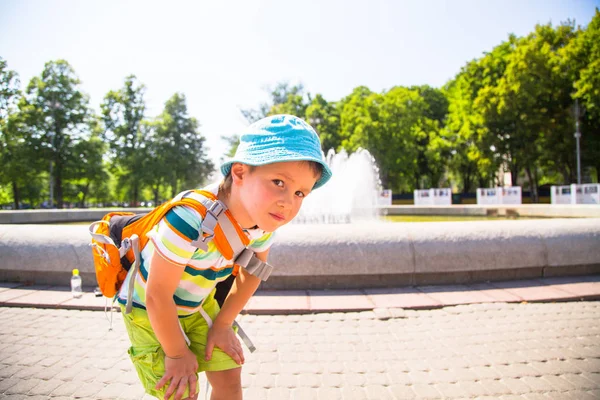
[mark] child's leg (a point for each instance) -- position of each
(226, 385)
(146, 352)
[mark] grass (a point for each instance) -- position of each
(448, 218)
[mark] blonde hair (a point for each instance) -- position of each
(227, 182)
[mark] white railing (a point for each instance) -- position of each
(588, 193)
(499, 195)
(384, 199)
(433, 197)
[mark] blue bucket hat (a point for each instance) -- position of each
(279, 138)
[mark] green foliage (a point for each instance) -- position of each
(122, 112)
(179, 154)
(54, 114)
(512, 109)
(325, 118)
(581, 60)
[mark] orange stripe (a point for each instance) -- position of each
(187, 307)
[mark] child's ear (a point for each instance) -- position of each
(238, 172)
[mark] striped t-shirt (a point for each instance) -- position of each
(172, 238)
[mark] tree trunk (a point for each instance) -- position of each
(155, 191)
(532, 186)
(135, 194)
(58, 188)
(85, 192)
(16, 194)
(566, 175)
(466, 180)
(514, 175)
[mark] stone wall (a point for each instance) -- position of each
(352, 256)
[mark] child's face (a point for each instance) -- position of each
(272, 194)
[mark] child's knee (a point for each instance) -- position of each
(228, 382)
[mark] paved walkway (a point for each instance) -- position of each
(494, 348)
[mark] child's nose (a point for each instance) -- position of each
(286, 200)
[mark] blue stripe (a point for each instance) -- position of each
(209, 274)
(136, 305)
(180, 302)
(144, 272)
(181, 225)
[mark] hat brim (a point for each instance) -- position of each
(325, 173)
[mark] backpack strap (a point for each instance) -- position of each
(248, 260)
(217, 216)
(217, 225)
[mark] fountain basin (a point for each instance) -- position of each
(359, 255)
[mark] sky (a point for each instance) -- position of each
(224, 55)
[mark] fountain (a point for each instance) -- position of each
(350, 195)
(338, 242)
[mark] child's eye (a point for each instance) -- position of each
(300, 194)
(278, 182)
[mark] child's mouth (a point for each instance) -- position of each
(277, 217)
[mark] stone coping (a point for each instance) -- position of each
(525, 210)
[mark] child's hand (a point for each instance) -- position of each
(224, 338)
(182, 372)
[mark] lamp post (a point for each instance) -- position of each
(577, 136)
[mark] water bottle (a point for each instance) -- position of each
(76, 284)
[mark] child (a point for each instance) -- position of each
(278, 162)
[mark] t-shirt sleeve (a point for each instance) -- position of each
(173, 235)
(263, 243)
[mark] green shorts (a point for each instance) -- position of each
(149, 358)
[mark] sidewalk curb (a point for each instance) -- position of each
(265, 302)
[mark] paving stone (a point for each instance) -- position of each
(451, 390)
(66, 389)
(329, 393)
(580, 381)
(580, 395)
(46, 387)
(403, 392)
(22, 386)
(426, 391)
(254, 393)
(559, 383)
(6, 384)
(354, 393)
(88, 390)
(377, 392)
(585, 365)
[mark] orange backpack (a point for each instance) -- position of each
(119, 237)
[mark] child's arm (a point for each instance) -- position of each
(221, 334)
(180, 363)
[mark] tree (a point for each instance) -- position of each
(528, 108)
(465, 129)
(325, 118)
(55, 112)
(388, 125)
(432, 148)
(289, 100)
(181, 145)
(123, 111)
(284, 99)
(9, 143)
(581, 60)
(88, 170)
